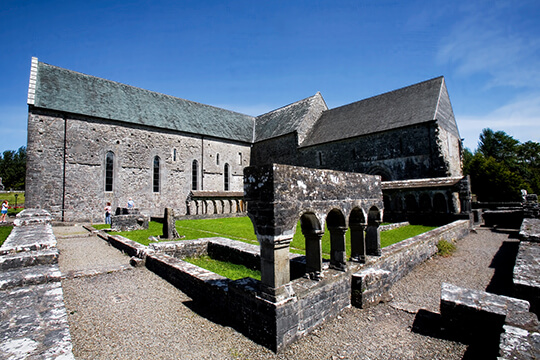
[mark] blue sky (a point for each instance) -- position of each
(255, 56)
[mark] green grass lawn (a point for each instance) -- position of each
(241, 228)
(223, 268)
(10, 197)
(4, 233)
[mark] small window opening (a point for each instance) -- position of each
(226, 177)
(156, 174)
(109, 171)
(194, 174)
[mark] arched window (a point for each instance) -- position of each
(226, 177)
(194, 175)
(156, 174)
(109, 171)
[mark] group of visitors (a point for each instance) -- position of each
(108, 210)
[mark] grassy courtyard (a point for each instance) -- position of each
(241, 228)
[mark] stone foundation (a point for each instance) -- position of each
(33, 316)
(128, 220)
(275, 323)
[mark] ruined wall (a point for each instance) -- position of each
(450, 146)
(407, 153)
(44, 169)
(280, 150)
(87, 141)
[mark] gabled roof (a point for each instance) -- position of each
(415, 104)
(64, 90)
(298, 116)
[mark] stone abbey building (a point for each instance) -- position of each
(93, 141)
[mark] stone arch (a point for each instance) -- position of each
(440, 205)
(312, 231)
(410, 203)
(397, 203)
(387, 201)
(382, 171)
(335, 221)
(425, 202)
(373, 237)
(357, 224)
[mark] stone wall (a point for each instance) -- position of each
(33, 316)
(412, 152)
(244, 303)
(372, 284)
(280, 150)
(427, 201)
(76, 191)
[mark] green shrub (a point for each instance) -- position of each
(445, 248)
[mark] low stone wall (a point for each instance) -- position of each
(393, 226)
(371, 285)
(500, 324)
(527, 268)
(33, 316)
(277, 324)
(198, 283)
(469, 314)
(530, 230)
(129, 219)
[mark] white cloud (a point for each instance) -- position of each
(494, 41)
(520, 119)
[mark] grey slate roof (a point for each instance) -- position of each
(293, 117)
(69, 91)
(59, 89)
(415, 104)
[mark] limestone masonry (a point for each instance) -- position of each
(93, 141)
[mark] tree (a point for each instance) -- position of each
(498, 145)
(13, 168)
(501, 167)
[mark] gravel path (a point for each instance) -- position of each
(137, 315)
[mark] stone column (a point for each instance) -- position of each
(314, 254)
(358, 243)
(338, 256)
(373, 239)
(275, 268)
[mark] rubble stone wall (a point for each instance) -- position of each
(66, 165)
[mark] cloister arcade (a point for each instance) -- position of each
(339, 200)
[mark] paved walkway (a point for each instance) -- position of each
(137, 315)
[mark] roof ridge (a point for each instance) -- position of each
(143, 89)
(288, 105)
(390, 92)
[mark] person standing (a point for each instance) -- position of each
(108, 213)
(130, 203)
(4, 211)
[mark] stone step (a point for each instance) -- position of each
(33, 275)
(29, 258)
